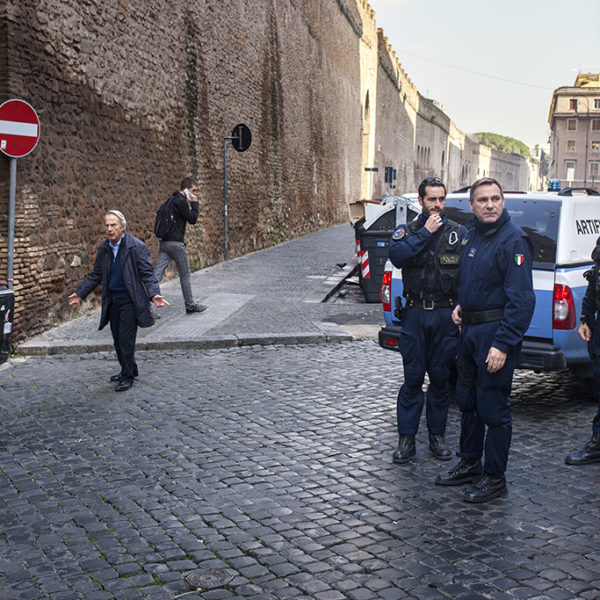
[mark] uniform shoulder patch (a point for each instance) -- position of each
(399, 233)
(519, 259)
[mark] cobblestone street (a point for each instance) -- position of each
(275, 464)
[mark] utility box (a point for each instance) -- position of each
(373, 230)
(7, 313)
(374, 249)
(373, 240)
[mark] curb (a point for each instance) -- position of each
(205, 343)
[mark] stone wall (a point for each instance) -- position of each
(133, 95)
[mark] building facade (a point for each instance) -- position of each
(575, 133)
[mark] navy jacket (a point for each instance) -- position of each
(589, 304)
(405, 247)
(184, 213)
(138, 275)
(495, 272)
(402, 248)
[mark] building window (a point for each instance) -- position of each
(597, 103)
(595, 124)
(594, 169)
(596, 146)
(570, 145)
(573, 104)
(569, 170)
(571, 124)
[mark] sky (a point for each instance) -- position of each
(493, 65)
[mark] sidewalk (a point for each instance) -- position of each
(273, 296)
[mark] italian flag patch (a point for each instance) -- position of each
(519, 259)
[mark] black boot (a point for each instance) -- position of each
(463, 472)
(438, 446)
(589, 454)
(487, 488)
(405, 450)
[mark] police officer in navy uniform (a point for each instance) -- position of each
(428, 252)
(589, 331)
(495, 305)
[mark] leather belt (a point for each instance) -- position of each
(430, 304)
(481, 316)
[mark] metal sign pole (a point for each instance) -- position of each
(11, 222)
(226, 250)
(241, 138)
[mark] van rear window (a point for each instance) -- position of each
(537, 218)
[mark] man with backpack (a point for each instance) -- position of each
(172, 216)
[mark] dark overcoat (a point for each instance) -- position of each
(138, 274)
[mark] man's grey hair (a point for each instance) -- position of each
(119, 216)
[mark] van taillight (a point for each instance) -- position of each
(390, 342)
(563, 316)
(385, 291)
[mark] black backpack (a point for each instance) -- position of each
(164, 223)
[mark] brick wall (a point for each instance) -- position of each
(133, 95)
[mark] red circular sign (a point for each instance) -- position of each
(19, 128)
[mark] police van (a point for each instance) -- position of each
(563, 228)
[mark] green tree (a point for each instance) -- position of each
(544, 164)
(504, 143)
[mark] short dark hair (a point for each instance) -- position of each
(187, 183)
(430, 181)
(484, 181)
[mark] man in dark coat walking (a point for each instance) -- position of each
(124, 269)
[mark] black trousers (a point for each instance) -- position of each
(123, 326)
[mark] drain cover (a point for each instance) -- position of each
(211, 578)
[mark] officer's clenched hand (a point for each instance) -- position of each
(584, 332)
(456, 315)
(495, 360)
(433, 223)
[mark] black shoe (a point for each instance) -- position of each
(463, 472)
(124, 385)
(119, 376)
(197, 308)
(438, 446)
(486, 489)
(405, 450)
(589, 454)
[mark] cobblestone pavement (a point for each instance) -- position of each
(275, 464)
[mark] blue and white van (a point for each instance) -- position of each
(563, 228)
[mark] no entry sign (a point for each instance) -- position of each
(19, 128)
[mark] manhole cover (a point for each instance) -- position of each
(211, 578)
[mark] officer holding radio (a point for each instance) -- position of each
(496, 302)
(184, 206)
(428, 252)
(589, 331)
